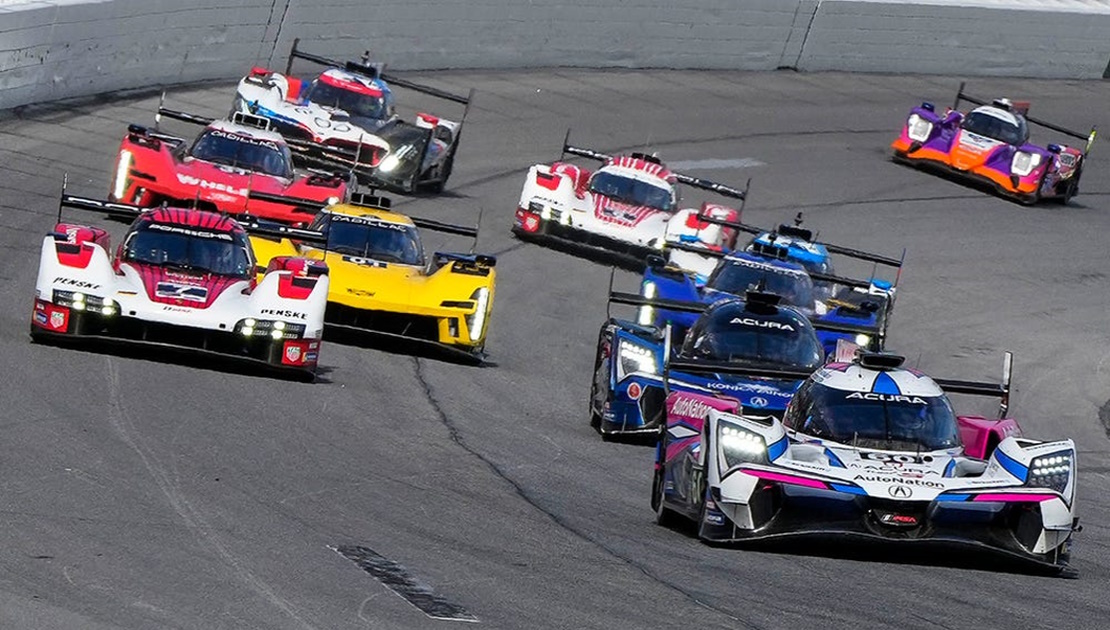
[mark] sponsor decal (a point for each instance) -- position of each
(365, 262)
(58, 320)
(204, 184)
(748, 321)
(176, 309)
(893, 468)
(40, 317)
(360, 292)
(258, 142)
(181, 292)
(765, 267)
(899, 458)
(690, 407)
(901, 520)
(293, 354)
(746, 387)
(73, 282)
(757, 401)
(635, 391)
(714, 518)
(162, 227)
(310, 357)
(922, 483)
(283, 313)
(900, 492)
(913, 400)
(386, 225)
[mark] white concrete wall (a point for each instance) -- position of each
(54, 49)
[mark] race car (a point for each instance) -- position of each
(865, 305)
(866, 450)
(382, 283)
(180, 278)
(801, 248)
(628, 391)
(626, 209)
(990, 144)
(226, 161)
(346, 117)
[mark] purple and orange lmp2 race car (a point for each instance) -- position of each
(990, 144)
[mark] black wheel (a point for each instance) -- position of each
(664, 515)
(595, 417)
(1073, 185)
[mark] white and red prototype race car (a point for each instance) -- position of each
(629, 207)
(346, 117)
(181, 279)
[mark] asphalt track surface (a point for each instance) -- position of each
(138, 492)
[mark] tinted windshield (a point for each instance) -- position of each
(993, 127)
(221, 253)
(232, 149)
(737, 276)
(885, 421)
(738, 337)
(354, 103)
(632, 191)
(367, 237)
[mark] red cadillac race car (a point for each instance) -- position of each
(216, 172)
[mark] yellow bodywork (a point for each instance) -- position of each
(446, 293)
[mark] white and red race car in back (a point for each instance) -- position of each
(629, 207)
(180, 279)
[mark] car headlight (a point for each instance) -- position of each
(647, 313)
(863, 340)
(251, 327)
(1051, 471)
(123, 167)
(740, 446)
(79, 301)
(917, 128)
(634, 357)
(390, 163)
(1024, 163)
(476, 321)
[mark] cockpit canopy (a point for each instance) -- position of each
(189, 248)
(351, 95)
(886, 421)
(370, 238)
(259, 155)
(998, 125)
(633, 191)
(735, 332)
(739, 274)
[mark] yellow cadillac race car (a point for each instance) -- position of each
(381, 281)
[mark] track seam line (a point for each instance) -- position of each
(456, 437)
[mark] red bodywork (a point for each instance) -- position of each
(161, 171)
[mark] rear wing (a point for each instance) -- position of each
(116, 210)
(696, 182)
(962, 96)
(374, 71)
(371, 201)
(806, 235)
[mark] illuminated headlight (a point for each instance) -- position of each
(636, 358)
(1024, 163)
(820, 308)
(331, 201)
(647, 313)
(476, 321)
(78, 297)
(739, 445)
(863, 340)
(1051, 471)
(251, 327)
(123, 167)
(917, 128)
(109, 307)
(390, 163)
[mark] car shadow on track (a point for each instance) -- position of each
(186, 358)
(405, 346)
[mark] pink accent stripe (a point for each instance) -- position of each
(1013, 497)
(798, 481)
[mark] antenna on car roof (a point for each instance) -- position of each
(65, 184)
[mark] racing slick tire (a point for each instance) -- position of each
(664, 515)
(1073, 186)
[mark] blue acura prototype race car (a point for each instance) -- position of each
(629, 390)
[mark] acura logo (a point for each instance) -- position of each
(900, 492)
(758, 401)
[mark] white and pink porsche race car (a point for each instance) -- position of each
(180, 279)
(629, 207)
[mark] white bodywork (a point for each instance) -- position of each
(126, 289)
(573, 205)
